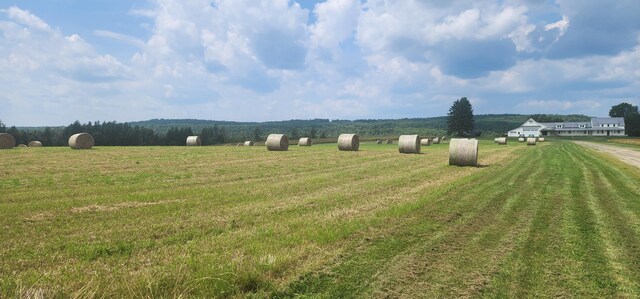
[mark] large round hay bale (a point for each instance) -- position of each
(21, 145)
(348, 142)
(540, 139)
(531, 141)
(389, 141)
(194, 141)
(409, 144)
(463, 152)
(502, 140)
(240, 144)
(521, 139)
(425, 142)
(249, 143)
(443, 137)
(305, 141)
(378, 141)
(35, 143)
(81, 141)
(277, 142)
(7, 141)
(436, 140)
(495, 140)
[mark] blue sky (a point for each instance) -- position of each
(260, 60)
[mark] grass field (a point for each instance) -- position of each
(554, 220)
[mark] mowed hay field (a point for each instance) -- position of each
(552, 220)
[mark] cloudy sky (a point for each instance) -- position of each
(260, 60)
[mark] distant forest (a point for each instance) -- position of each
(175, 131)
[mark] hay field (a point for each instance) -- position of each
(631, 141)
(550, 220)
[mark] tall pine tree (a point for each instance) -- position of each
(460, 118)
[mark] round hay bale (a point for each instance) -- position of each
(502, 140)
(348, 142)
(378, 141)
(531, 141)
(389, 141)
(81, 141)
(540, 139)
(436, 140)
(35, 143)
(305, 141)
(22, 145)
(194, 141)
(409, 144)
(521, 139)
(443, 137)
(277, 142)
(7, 141)
(249, 143)
(425, 142)
(463, 152)
(495, 140)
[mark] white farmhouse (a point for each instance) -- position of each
(598, 126)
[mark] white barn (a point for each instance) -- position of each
(598, 126)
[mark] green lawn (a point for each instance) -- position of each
(543, 221)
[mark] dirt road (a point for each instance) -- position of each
(626, 155)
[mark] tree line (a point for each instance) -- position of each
(116, 134)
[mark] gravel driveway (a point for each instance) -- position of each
(626, 155)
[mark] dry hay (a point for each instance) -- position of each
(21, 145)
(277, 142)
(436, 140)
(625, 141)
(348, 142)
(463, 152)
(540, 139)
(531, 141)
(389, 141)
(443, 137)
(502, 140)
(409, 144)
(7, 141)
(249, 143)
(35, 143)
(378, 141)
(194, 141)
(425, 142)
(495, 140)
(305, 141)
(240, 144)
(81, 141)
(521, 139)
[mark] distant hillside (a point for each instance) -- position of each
(489, 124)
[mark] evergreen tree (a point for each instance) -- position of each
(3, 127)
(460, 118)
(257, 134)
(295, 134)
